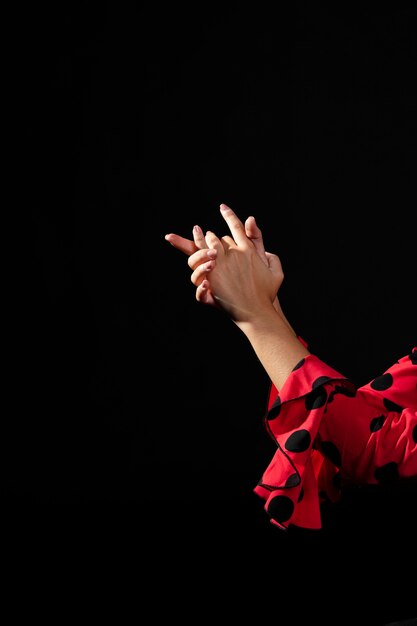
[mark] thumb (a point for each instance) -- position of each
(254, 233)
(274, 264)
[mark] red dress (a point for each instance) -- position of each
(330, 433)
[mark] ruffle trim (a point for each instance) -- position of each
(299, 477)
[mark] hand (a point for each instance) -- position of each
(199, 255)
(244, 279)
(198, 252)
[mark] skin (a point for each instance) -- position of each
(235, 274)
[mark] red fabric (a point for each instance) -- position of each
(330, 433)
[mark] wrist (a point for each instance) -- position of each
(268, 320)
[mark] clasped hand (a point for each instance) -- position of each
(233, 272)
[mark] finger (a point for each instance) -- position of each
(274, 263)
(252, 229)
(255, 235)
(213, 242)
(235, 225)
(228, 242)
(201, 272)
(201, 256)
(199, 238)
(181, 243)
(203, 294)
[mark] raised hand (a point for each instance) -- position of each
(243, 279)
(199, 252)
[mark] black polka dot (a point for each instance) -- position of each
(387, 474)
(413, 357)
(415, 434)
(331, 396)
(299, 364)
(377, 423)
(298, 441)
(280, 508)
(293, 480)
(275, 409)
(329, 449)
(392, 406)
(350, 392)
(382, 382)
(320, 381)
(316, 398)
(346, 391)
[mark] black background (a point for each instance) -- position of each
(137, 413)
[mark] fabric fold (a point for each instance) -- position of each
(329, 433)
(290, 484)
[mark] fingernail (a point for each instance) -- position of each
(211, 253)
(197, 229)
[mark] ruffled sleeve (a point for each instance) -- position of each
(328, 432)
(289, 485)
(385, 446)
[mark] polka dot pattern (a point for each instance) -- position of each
(299, 441)
(317, 415)
(382, 382)
(392, 406)
(299, 364)
(387, 474)
(331, 451)
(292, 480)
(280, 508)
(377, 423)
(346, 391)
(316, 398)
(274, 411)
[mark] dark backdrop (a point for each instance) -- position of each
(134, 405)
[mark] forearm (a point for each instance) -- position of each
(277, 307)
(275, 343)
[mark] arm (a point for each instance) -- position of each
(267, 329)
(200, 252)
(245, 286)
(276, 346)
